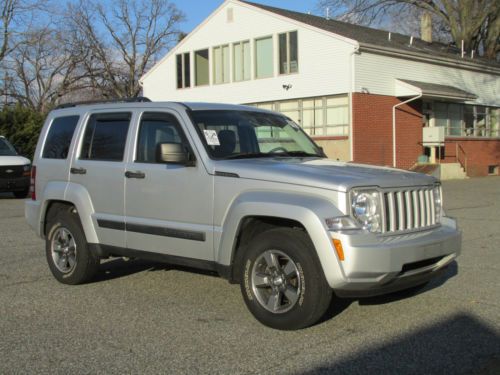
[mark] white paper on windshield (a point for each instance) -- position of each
(211, 137)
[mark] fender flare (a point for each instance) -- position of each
(308, 210)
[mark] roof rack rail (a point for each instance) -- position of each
(139, 99)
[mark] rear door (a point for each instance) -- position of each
(168, 207)
(99, 167)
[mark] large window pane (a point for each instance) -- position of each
(183, 70)
(494, 122)
(221, 64)
(201, 68)
(264, 57)
(288, 56)
(455, 114)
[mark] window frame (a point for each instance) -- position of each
(196, 84)
(222, 67)
(178, 126)
(87, 121)
(184, 58)
(241, 43)
(288, 49)
(255, 56)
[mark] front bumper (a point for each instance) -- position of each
(377, 265)
(14, 184)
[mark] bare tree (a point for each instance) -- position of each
(124, 38)
(44, 68)
(475, 22)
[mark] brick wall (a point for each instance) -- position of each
(480, 153)
(372, 130)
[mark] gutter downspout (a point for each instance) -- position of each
(394, 126)
(353, 87)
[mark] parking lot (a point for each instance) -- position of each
(143, 317)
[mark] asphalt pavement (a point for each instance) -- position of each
(143, 317)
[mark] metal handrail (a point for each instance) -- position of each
(457, 156)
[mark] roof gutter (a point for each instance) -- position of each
(394, 125)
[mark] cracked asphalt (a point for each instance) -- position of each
(143, 317)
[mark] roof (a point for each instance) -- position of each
(440, 91)
(375, 37)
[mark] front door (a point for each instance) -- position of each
(168, 207)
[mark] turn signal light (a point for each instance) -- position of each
(338, 248)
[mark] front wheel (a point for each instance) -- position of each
(67, 251)
(282, 281)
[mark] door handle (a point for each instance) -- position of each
(138, 174)
(78, 170)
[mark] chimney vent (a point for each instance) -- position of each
(426, 27)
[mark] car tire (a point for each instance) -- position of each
(67, 252)
(282, 281)
(21, 194)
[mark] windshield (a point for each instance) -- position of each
(6, 149)
(231, 134)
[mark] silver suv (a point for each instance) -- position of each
(236, 190)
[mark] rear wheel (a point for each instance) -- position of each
(282, 281)
(68, 256)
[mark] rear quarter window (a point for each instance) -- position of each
(59, 138)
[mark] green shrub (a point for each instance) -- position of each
(21, 126)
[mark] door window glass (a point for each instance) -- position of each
(105, 137)
(156, 128)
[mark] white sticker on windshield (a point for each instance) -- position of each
(211, 137)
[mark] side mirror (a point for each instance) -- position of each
(173, 153)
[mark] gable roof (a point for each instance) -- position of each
(367, 36)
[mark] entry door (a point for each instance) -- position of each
(168, 207)
(99, 170)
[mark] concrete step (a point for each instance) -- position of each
(452, 171)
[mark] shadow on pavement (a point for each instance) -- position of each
(461, 344)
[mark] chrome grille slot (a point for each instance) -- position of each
(408, 209)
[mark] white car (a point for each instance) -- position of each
(14, 170)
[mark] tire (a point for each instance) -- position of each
(21, 194)
(282, 281)
(67, 252)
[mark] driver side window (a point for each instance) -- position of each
(156, 128)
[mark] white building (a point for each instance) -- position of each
(341, 83)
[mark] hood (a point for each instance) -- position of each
(13, 160)
(322, 173)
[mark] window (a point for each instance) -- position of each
(264, 57)
(288, 55)
(183, 71)
(320, 116)
(221, 64)
(59, 137)
(201, 68)
(155, 128)
(241, 61)
(6, 149)
(466, 120)
(105, 137)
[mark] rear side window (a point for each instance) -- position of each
(156, 128)
(59, 137)
(105, 136)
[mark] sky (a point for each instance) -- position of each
(197, 10)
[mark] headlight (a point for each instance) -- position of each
(366, 210)
(26, 167)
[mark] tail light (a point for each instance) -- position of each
(32, 183)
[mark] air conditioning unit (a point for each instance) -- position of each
(433, 136)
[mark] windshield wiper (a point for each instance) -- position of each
(297, 153)
(245, 155)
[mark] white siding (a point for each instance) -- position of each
(324, 61)
(377, 74)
